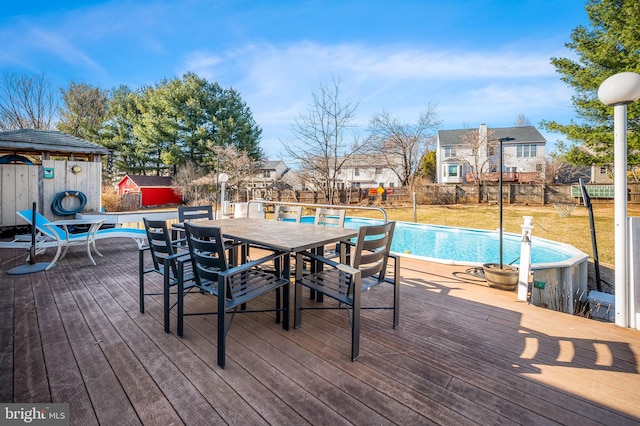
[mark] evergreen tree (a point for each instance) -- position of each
(117, 132)
(609, 46)
(159, 128)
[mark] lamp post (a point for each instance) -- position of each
(222, 178)
(500, 199)
(502, 140)
(618, 91)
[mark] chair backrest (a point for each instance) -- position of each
(27, 215)
(206, 247)
(329, 217)
(191, 213)
(371, 252)
(288, 213)
(159, 244)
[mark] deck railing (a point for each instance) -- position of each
(310, 205)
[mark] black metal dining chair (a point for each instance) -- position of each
(346, 283)
(193, 213)
(233, 286)
(168, 260)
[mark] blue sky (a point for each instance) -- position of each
(479, 61)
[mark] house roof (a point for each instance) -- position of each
(270, 164)
(370, 160)
(518, 134)
(50, 141)
(146, 181)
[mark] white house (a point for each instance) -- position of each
(366, 171)
(466, 155)
(268, 177)
(358, 171)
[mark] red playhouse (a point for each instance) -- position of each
(154, 190)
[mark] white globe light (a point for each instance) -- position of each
(622, 88)
(223, 177)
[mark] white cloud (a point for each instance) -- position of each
(469, 87)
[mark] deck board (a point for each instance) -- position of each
(462, 354)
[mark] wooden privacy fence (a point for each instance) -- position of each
(460, 194)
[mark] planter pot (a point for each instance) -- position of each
(503, 279)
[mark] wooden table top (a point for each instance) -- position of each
(280, 235)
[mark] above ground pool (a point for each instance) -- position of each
(561, 268)
(465, 246)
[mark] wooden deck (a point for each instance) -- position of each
(463, 354)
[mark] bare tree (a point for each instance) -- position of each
(522, 121)
(190, 183)
(199, 183)
(84, 110)
(320, 146)
(27, 102)
(557, 170)
(402, 145)
(476, 151)
(238, 166)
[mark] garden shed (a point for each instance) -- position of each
(50, 168)
(153, 190)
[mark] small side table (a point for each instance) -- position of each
(65, 238)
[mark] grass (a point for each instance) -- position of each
(547, 222)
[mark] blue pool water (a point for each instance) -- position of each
(463, 245)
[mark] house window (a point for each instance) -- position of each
(266, 174)
(378, 170)
(449, 152)
(603, 170)
(526, 150)
(391, 184)
(356, 172)
(539, 168)
(452, 171)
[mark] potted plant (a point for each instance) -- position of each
(502, 277)
(499, 275)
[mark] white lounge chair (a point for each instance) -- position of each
(53, 235)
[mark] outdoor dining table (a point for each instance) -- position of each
(286, 237)
(283, 236)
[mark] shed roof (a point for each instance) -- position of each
(49, 141)
(518, 134)
(143, 181)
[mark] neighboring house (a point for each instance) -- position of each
(366, 171)
(268, 178)
(269, 173)
(359, 171)
(154, 190)
(462, 156)
(601, 174)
